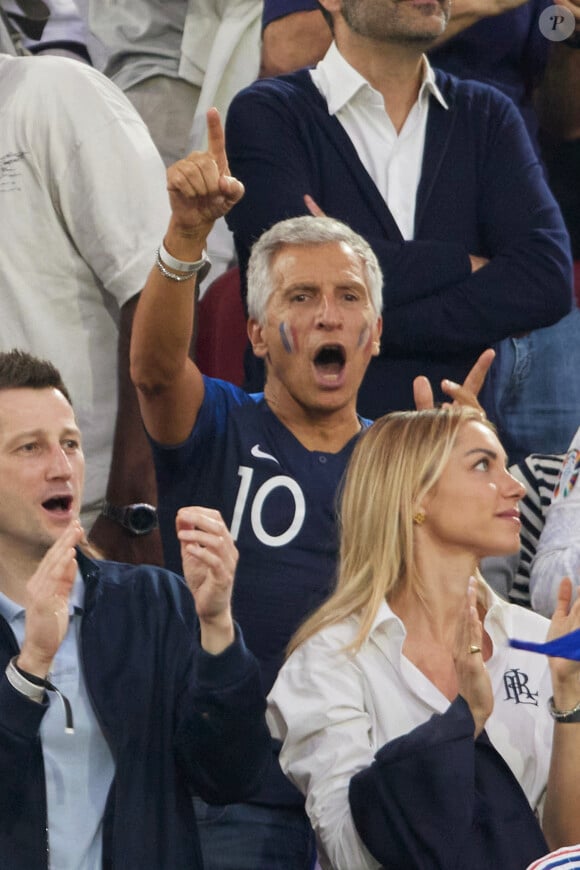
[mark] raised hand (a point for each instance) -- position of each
(462, 394)
(200, 186)
(47, 599)
(473, 682)
(209, 558)
(565, 673)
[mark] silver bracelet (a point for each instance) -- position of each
(572, 715)
(171, 275)
(22, 685)
(181, 265)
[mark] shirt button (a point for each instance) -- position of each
(322, 459)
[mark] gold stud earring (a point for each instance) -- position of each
(419, 518)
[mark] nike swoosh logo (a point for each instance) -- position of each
(257, 453)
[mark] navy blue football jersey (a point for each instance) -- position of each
(278, 500)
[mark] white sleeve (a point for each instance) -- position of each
(108, 178)
(316, 708)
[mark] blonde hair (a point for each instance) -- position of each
(394, 464)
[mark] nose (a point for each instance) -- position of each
(59, 464)
(328, 314)
(513, 488)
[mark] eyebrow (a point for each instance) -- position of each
(300, 286)
(25, 434)
(40, 433)
(314, 285)
(486, 452)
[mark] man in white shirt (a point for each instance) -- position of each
(175, 60)
(84, 205)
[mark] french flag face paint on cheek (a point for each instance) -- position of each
(288, 339)
(365, 338)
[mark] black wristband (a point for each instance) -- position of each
(49, 687)
(32, 678)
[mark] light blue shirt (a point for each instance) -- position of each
(79, 767)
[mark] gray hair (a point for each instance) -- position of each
(306, 230)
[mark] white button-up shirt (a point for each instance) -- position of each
(334, 710)
(392, 160)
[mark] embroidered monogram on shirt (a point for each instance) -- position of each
(516, 688)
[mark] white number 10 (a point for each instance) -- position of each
(280, 480)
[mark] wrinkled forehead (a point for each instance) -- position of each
(325, 263)
(27, 410)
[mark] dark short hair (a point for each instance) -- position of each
(21, 370)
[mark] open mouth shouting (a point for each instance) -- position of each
(329, 363)
(59, 506)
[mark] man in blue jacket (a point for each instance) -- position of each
(440, 177)
(159, 694)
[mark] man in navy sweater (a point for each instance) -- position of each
(439, 175)
(160, 694)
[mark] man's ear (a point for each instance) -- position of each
(332, 6)
(377, 332)
(256, 336)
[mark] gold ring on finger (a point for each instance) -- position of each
(474, 649)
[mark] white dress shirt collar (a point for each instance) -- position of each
(339, 82)
(392, 158)
(497, 621)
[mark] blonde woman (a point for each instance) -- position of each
(420, 739)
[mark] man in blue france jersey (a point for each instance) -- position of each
(270, 462)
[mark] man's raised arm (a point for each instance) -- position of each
(169, 384)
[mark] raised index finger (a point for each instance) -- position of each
(216, 140)
(475, 378)
(422, 393)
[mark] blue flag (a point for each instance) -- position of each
(565, 647)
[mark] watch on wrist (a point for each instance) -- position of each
(572, 715)
(139, 518)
